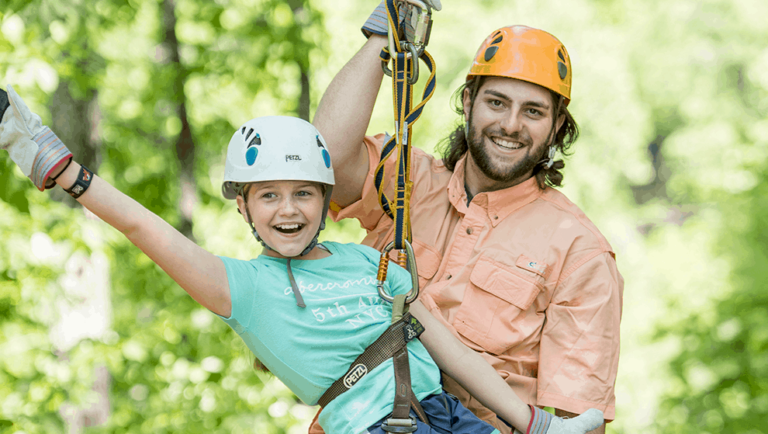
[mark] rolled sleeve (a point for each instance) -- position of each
(367, 209)
(579, 353)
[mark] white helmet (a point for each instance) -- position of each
(276, 148)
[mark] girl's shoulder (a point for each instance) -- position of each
(353, 250)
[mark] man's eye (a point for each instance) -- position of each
(535, 112)
(495, 103)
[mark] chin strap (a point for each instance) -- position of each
(296, 292)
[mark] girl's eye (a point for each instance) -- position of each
(303, 193)
(268, 195)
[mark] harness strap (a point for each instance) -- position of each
(403, 71)
(386, 346)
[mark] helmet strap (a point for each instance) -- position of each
(551, 156)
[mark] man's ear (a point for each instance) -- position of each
(466, 100)
(560, 121)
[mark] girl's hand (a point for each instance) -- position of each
(32, 146)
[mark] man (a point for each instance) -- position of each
(505, 261)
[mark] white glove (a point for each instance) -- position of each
(32, 146)
(581, 424)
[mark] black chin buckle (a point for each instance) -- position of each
(400, 425)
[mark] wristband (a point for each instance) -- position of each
(53, 178)
(84, 178)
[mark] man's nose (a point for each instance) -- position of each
(511, 122)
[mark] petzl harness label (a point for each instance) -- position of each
(354, 375)
(413, 329)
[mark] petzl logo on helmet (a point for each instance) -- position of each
(326, 155)
(250, 150)
(354, 375)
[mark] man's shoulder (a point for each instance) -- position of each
(570, 221)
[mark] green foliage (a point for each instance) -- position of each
(174, 366)
(671, 98)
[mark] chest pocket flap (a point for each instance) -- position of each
(500, 281)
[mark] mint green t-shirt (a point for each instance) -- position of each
(310, 348)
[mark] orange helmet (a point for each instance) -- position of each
(527, 54)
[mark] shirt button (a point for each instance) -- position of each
(448, 277)
(469, 231)
(495, 217)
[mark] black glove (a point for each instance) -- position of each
(4, 104)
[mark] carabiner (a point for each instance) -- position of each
(418, 18)
(406, 46)
(411, 266)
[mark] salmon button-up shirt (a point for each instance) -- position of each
(519, 275)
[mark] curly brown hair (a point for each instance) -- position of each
(455, 145)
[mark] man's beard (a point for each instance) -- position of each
(484, 162)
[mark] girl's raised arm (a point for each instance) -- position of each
(43, 157)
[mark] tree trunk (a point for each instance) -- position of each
(302, 110)
(76, 123)
(185, 145)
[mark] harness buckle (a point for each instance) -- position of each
(400, 425)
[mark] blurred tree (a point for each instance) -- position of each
(708, 93)
(157, 87)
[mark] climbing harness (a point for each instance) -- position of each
(391, 344)
(407, 43)
(405, 55)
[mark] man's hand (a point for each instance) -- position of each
(378, 22)
(32, 146)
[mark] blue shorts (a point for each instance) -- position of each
(446, 416)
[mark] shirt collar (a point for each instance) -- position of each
(497, 204)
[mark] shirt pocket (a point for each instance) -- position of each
(493, 313)
(427, 261)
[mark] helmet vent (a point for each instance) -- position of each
(326, 155)
(256, 140)
(562, 70)
(560, 55)
(249, 134)
(497, 40)
(490, 52)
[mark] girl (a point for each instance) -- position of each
(306, 310)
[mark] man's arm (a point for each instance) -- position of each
(343, 117)
(568, 414)
(579, 352)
